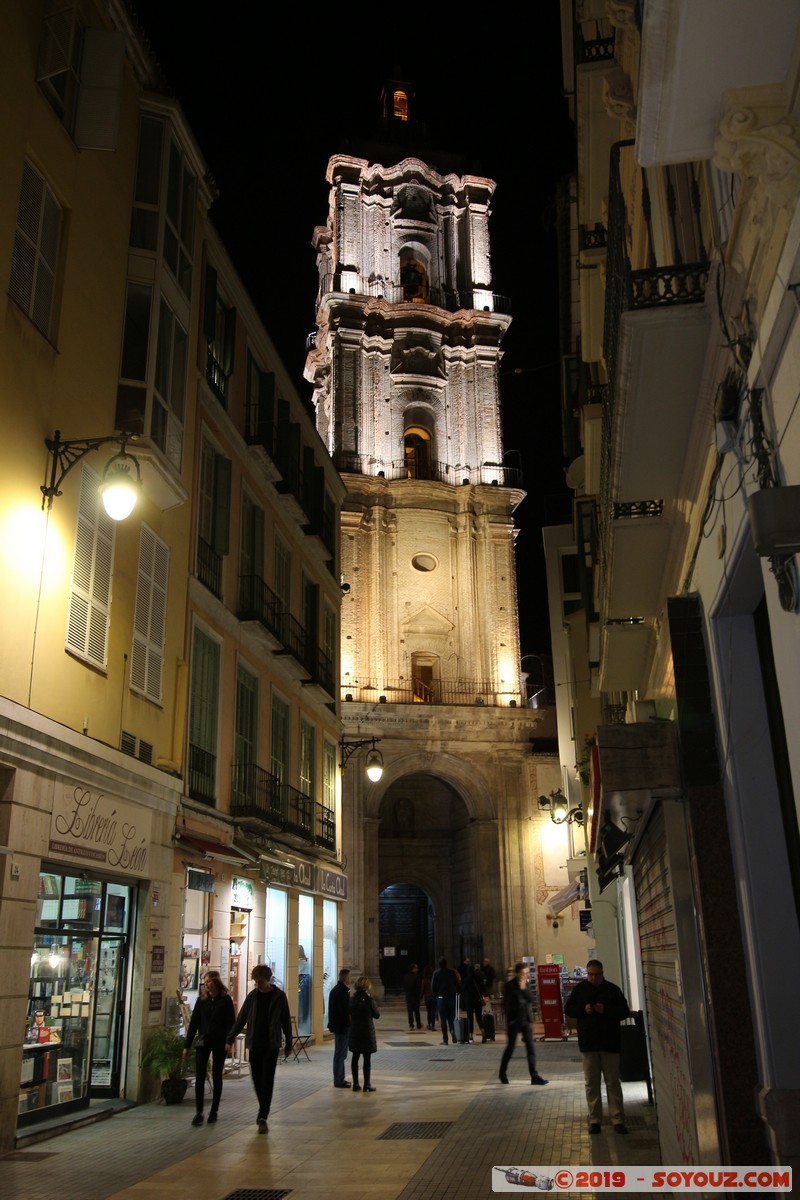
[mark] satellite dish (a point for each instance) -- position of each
(576, 472)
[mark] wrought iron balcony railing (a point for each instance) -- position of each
(202, 772)
(257, 602)
(209, 567)
(353, 284)
(460, 692)
(491, 474)
(258, 795)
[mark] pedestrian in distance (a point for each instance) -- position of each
(445, 985)
(265, 1013)
(598, 1006)
(339, 1025)
(472, 996)
(519, 1022)
(364, 1012)
(212, 1017)
(489, 976)
(428, 996)
(413, 991)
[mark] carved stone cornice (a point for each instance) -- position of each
(760, 140)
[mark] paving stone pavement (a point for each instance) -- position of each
(436, 1127)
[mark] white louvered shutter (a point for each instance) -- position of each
(149, 622)
(90, 591)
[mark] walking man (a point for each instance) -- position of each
(265, 1012)
(519, 1022)
(598, 1006)
(412, 986)
(339, 1025)
(445, 988)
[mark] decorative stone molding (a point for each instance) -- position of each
(621, 13)
(618, 98)
(759, 140)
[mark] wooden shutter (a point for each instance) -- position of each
(149, 623)
(90, 590)
(100, 94)
(204, 693)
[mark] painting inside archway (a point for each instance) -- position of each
(428, 905)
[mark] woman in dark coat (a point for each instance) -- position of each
(212, 1017)
(363, 1014)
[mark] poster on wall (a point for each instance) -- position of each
(189, 974)
(241, 893)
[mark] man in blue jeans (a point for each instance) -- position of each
(445, 988)
(339, 1025)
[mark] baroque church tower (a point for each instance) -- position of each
(405, 372)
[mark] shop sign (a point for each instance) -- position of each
(273, 871)
(156, 1001)
(100, 830)
(585, 919)
(313, 877)
(199, 881)
(157, 961)
(241, 893)
(331, 883)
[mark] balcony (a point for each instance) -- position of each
(691, 55)
(209, 567)
(284, 635)
(654, 442)
(202, 774)
(462, 693)
(259, 797)
(488, 474)
(352, 284)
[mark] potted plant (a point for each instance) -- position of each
(163, 1056)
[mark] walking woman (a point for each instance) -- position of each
(212, 1017)
(363, 1014)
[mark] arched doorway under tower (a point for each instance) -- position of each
(406, 921)
(429, 876)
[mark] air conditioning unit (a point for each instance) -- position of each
(775, 521)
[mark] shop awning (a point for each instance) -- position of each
(207, 848)
(561, 900)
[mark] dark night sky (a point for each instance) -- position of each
(271, 93)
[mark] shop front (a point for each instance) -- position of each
(250, 902)
(78, 990)
(92, 889)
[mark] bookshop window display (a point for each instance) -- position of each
(73, 1032)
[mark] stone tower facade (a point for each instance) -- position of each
(405, 372)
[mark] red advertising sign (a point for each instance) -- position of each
(548, 978)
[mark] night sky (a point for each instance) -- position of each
(271, 92)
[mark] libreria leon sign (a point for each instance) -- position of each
(102, 830)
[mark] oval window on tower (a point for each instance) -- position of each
(424, 562)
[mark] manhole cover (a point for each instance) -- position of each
(258, 1194)
(406, 1131)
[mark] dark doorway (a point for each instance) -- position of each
(405, 936)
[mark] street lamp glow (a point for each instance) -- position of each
(119, 491)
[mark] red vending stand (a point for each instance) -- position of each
(548, 977)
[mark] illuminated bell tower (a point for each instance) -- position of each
(405, 373)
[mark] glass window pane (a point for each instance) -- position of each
(305, 959)
(47, 900)
(81, 903)
(275, 935)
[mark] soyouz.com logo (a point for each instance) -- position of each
(642, 1179)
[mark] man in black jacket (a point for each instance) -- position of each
(518, 1007)
(339, 1025)
(598, 1006)
(266, 1014)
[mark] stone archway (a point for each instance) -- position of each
(426, 846)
